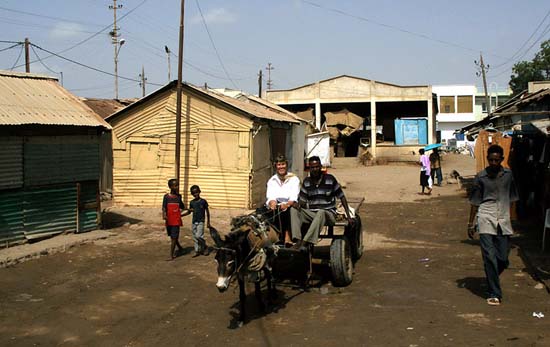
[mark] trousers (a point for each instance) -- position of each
(494, 250)
(316, 220)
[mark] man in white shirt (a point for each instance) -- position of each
(282, 193)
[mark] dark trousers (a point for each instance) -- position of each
(494, 249)
(437, 173)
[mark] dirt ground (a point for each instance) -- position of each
(420, 282)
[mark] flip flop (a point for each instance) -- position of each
(493, 301)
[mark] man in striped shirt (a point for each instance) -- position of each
(316, 204)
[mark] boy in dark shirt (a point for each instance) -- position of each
(199, 207)
(172, 207)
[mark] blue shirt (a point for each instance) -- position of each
(199, 207)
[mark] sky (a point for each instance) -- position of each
(227, 42)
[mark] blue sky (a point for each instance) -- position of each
(402, 42)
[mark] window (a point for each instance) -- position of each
(465, 104)
(447, 104)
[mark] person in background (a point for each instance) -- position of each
(435, 166)
(282, 193)
(199, 207)
(425, 172)
(172, 207)
(493, 192)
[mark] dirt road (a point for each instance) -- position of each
(419, 283)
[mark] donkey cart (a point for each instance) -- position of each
(339, 247)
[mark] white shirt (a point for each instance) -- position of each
(283, 191)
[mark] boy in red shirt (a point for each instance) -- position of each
(172, 207)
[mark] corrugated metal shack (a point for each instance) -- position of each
(225, 148)
(49, 159)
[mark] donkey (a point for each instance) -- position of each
(242, 254)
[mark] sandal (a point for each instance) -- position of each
(493, 301)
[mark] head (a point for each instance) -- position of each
(421, 151)
(226, 256)
(195, 191)
(495, 156)
(281, 165)
(315, 166)
(173, 185)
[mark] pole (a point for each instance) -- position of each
(169, 78)
(260, 84)
(143, 79)
(178, 96)
(484, 84)
(114, 40)
(269, 81)
(27, 56)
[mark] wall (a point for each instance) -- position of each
(215, 152)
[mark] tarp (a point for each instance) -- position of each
(319, 144)
(345, 121)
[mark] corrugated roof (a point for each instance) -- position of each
(253, 109)
(38, 99)
(106, 107)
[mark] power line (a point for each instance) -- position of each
(10, 47)
(91, 36)
(409, 32)
(16, 60)
(44, 16)
(88, 66)
(525, 43)
(214, 45)
(40, 60)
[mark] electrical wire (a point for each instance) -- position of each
(17, 60)
(93, 35)
(91, 67)
(10, 47)
(44, 16)
(214, 46)
(525, 43)
(41, 62)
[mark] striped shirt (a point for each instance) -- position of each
(321, 196)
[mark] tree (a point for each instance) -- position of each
(538, 69)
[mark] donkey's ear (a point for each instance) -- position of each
(216, 237)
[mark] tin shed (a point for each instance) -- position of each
(49, 159)
(225, 148)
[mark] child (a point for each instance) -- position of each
(172, 206)
(199, 207)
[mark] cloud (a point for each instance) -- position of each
(63, 30)
(216, 16)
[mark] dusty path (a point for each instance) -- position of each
(420, 283)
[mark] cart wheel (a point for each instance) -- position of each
(341, 263)
(355, 237)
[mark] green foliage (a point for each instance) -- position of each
(537, 69)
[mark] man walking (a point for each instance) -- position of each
(493, 192)
(317, 204)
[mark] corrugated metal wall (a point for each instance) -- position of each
(87, 211)
(50, 162)
(11, 217)
(11, 162)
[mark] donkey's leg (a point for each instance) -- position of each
(258, 293)
(242, 301)
(271, 290)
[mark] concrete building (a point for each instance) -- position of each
(379, 104)
(456, 110)
(497, 97)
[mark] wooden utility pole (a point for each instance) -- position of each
(260, 84)
(27, 56)
(178, 96)
(143, 79)
(483, 67)
(269, 81)
(114, 39)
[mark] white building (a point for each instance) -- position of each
(455, 109)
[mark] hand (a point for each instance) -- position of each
(471, 231)
(283, 206)
(272, 205)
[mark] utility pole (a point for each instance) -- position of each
(483, 67)
(269, 82)
(178, 96)
(27, 56)
(260, 84)
(143, 79)
(114, 39)
(167, 50)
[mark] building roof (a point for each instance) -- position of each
(251, 110)
(37, 99)
(106, 107)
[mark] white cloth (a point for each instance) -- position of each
(283, 191)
